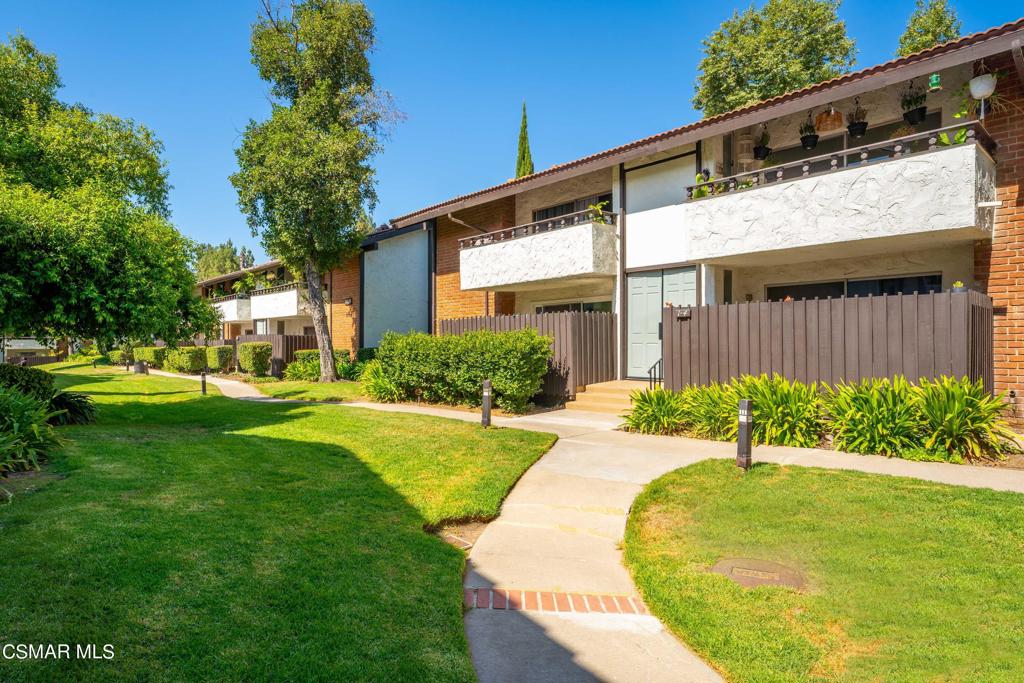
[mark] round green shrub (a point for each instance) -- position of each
(220, 358)
(33, 382)
(254, 357)
(190, 359)
(154, 355)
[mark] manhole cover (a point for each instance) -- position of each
(749, 572)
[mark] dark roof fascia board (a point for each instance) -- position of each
(239, 273)
(381, 235)
(784, 105)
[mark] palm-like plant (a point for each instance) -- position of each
(962, 419)
(655, 411)
(785, 413)
(874, 416)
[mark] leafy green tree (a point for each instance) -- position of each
(86, 249)
(305, 181)
(761, 53)
(524, 161)
(932, 23)
(217, 259)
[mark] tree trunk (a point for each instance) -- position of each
(314, 285)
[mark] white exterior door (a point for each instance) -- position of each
(648, 293)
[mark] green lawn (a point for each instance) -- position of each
(313, 391)
(908, 580)
(213, 539)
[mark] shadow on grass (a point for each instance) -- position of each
(194, 547)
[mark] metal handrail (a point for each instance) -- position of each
(897, 148)
(556, 223)
(655, 374)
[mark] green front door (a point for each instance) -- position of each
(648, 292)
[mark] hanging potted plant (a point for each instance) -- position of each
(913, 102)
(761, 149)
(858, 120)
(828, 119)
(808, 134)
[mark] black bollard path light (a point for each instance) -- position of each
(203, 382)
(485, 414)
(745, 434)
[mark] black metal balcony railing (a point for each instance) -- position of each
(918, 143)
(537, 227)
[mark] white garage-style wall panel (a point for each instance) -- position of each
(396, 289)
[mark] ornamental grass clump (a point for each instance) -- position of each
(656, 411)
(879, 416)
(963, 420)
(26, 436)
(785, 413)
(946, 419)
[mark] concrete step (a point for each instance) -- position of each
(606, 392)
(599, 405)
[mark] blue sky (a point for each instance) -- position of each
(594, 75)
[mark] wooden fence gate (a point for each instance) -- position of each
(828, 340)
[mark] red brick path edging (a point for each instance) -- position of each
(548, 601)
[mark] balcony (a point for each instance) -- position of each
(934, 184)
(233, 307)
(575, 247)
(282, 301)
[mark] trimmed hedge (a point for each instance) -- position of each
(451, 368)
(190, 359)
(947, 419)
(154, 355)
(121, 356)
(219, 358)
(30, 381)
(254, 357)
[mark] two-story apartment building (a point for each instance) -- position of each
(893, 195)
(911, 199)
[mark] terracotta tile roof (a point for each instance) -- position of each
(854, 76)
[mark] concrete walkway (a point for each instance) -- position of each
(559, 534)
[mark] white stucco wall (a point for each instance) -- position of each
(276, 304)
(234, 310)
(954, 262)
(596, 182)
(580, 250)
(396, 287)
(931, 193)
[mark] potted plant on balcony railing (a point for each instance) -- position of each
(761, 149)
(913, 101)
(808, 134)
(958, 286)
(596, 213)
(857, 120)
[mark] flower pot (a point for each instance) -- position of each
(982, 86)
(959, 289)
(761, 152)
(809, 141)
(857, 129)
(915, 116)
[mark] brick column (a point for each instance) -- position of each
(344, 318)
(999, 262)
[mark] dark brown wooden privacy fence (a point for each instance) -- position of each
(283, 347)
(828, 340)
(583, 346)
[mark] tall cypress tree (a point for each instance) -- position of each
(524, 162)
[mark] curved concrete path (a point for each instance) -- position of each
(560, 531)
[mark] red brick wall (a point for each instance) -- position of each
(999, 263)
(451, 300)
(344, 318)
